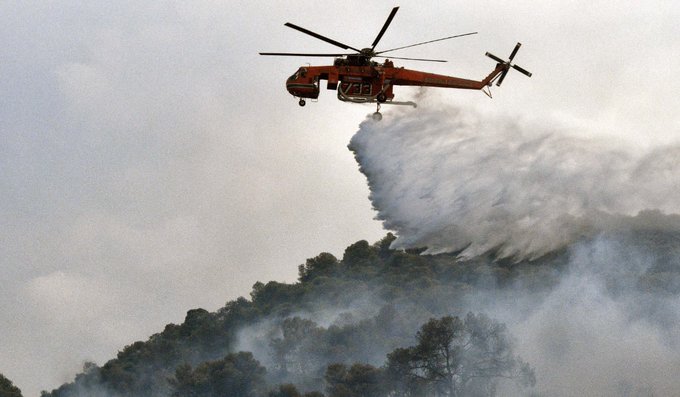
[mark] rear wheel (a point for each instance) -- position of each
(302, 102)
(382, 98)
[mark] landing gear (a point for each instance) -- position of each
(302, 102)
(382, 98)
(377, 116)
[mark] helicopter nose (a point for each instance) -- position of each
(302, 89)
(291, 87)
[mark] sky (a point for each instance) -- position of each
(152, 162)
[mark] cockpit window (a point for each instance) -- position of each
(302, 72)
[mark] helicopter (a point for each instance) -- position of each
(359, 79)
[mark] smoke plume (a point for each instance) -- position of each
(452, 180)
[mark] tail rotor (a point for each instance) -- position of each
(508, 64)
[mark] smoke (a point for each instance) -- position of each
(451, 179)
(600, 334)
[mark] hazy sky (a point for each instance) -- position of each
(151, 162)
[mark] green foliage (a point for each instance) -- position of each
(324, 264)
(275, 297)
(237, 375)
(360, 380)
(7, 388)
(304, 349)
(359, 254)
(417, 287)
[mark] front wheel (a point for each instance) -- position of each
(302, 102)
(382, 98)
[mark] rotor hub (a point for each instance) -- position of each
(368, 52)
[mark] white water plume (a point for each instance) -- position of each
(448, 179)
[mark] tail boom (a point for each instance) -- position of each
(409, 77)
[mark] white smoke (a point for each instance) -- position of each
(595, 335)
(449, 179)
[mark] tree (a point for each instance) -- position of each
(324, 264)
(455, 357)
(402, 376)
(7, 388)
(418, 286)
(237, 375)
(359, 253)
(291, 353)
(360, 380)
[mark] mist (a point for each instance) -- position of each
(600, 333)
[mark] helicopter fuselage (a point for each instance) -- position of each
(357, 82)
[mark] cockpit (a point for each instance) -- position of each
(302, 72)
(302, 84)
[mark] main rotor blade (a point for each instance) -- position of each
(384, 28)
(427, 42)
(514, 52)
(320, 37)
(413, 59)
(524, 71)
(295, 54)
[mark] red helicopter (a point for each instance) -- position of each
(360, 80)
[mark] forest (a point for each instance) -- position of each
(376, 322)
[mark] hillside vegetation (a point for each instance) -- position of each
(373, 323)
